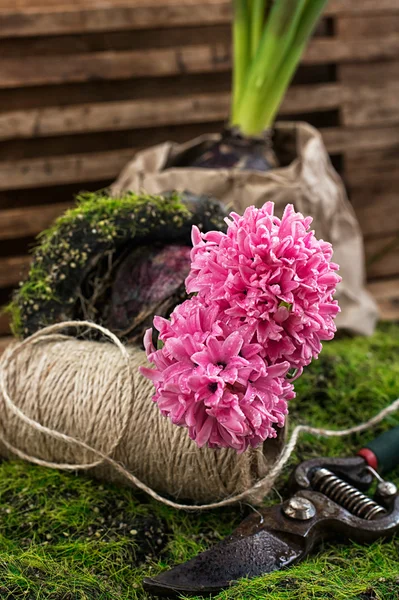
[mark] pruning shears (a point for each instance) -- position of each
(329, 500)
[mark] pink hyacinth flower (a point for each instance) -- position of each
(210, 376)
(275, 275)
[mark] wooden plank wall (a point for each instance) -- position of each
(84, 84)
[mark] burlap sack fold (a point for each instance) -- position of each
(307, 179)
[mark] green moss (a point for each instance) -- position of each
(65, 537)
(103, 212)
(14, 311)
(98, 228)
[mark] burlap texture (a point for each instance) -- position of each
(307, 180)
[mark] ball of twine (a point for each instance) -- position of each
(78, 405)
(74, 404)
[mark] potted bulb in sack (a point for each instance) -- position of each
(255, 159)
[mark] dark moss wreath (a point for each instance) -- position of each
(115, 261)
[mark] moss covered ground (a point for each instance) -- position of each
(66, 537)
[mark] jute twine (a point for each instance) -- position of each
(76, 405)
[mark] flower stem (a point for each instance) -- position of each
(276, 39)
(258, 12)
(282, 43)
(279, 86)
(241, 26)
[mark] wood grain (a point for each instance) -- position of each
(367, 105)
(84, 84)
(370, 168)
(373, 74)
(370, 93)
(13, 269)
(29, 221)
(30, 18)
(213, 58)
(51, 70)
(113, 116)
(139, 39)
(41, 172)
(4, 324)
(338, 51)
(349, 140)
(382, 256)
(85, 167)
(364, 27)
(376, 207)
(63, 18)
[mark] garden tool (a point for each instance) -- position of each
(329, 500)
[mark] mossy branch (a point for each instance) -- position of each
(99, 226)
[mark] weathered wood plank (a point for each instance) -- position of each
(85, 167)
(377, 207)
(139, 39)
(370, 93)
(113, 116)
(64, 19)
(370, 7)
(98, 142)
(365, 27)
(26, 6)
(386, 293)
(372, 74)
(4, 324)
(355, 139)
(339, 51)
(149, 88)
(62, 169)
(29, 221)
(118, 41)
(207, 58)
(382, 256)
(102, 66)
(63, 194)
(38, 18)
(367, 105)
(371, 169)
(13, 269)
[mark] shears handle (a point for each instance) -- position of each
(383, 453)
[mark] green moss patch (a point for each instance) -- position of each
(89, 238)
(67, 537)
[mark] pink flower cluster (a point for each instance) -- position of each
(210, 377)
(273, 273)
(264, 303)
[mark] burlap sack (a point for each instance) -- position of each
(306, 179)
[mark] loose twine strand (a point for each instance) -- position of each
(263, 485)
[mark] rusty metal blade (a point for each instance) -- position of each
(272, 539)
(233, 558)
